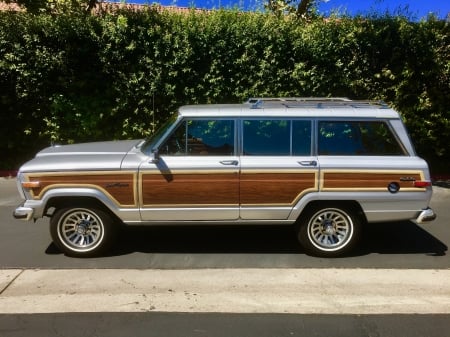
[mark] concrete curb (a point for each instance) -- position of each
(300, 291)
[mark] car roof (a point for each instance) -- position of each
(293, 107)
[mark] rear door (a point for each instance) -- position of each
(277, 166)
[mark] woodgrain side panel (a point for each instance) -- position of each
(275, 188)
(121, 187)
(190, 189)
(369, 180)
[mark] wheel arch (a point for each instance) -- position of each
(85, 198)
(351, 205)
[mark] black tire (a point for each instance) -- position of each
(329, 231)
(82, 231)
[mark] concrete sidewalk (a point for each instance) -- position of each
(300, 291)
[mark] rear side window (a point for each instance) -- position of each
(364, 138)
(267, 137)
(301, 138)
(277, 137)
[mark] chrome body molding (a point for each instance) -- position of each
(239, 222)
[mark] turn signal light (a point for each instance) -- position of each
(422, 183)
(31, 184)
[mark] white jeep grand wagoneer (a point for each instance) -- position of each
(326, 166)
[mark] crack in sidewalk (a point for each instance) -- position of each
(11, 282)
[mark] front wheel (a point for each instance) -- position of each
(329, 231)
(81, 231)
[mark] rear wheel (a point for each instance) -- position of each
(329, 231)
(82, 231)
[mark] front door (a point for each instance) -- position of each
(197, 175)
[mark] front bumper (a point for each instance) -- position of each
(426, 215)
(23, 213)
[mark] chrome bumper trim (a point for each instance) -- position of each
(23, 213)
(426, 215)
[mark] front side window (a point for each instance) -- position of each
(195, 137)
(364, 138)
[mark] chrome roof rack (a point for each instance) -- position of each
(314, 102)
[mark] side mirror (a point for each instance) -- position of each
(155, 156)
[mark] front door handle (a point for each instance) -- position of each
(229, 162)
(308, 163)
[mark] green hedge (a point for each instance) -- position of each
(72, 77)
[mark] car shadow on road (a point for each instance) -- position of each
(209, 239)
(403, 237)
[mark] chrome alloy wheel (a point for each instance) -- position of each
(330, 229)
(80, 230)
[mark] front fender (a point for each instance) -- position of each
(51, 198)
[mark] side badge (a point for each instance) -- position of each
(393, 187)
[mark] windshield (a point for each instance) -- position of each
(151, 142)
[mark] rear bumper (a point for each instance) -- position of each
(426, 215)
(23, 213)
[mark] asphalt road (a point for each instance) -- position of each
(222, 325)
(403, 245)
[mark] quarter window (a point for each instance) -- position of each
(366, 138)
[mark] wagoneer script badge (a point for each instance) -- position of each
(117, 185)
(407, 179)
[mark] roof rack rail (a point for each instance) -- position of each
(314, 102)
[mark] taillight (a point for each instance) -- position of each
(422, 183)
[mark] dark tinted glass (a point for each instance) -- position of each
(267, 137)
(367, 138)
(201, 138)
(301, 138)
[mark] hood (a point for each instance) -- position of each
(85, 156)
(95, 148)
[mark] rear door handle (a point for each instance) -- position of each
(308, 163)
(229, 162)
